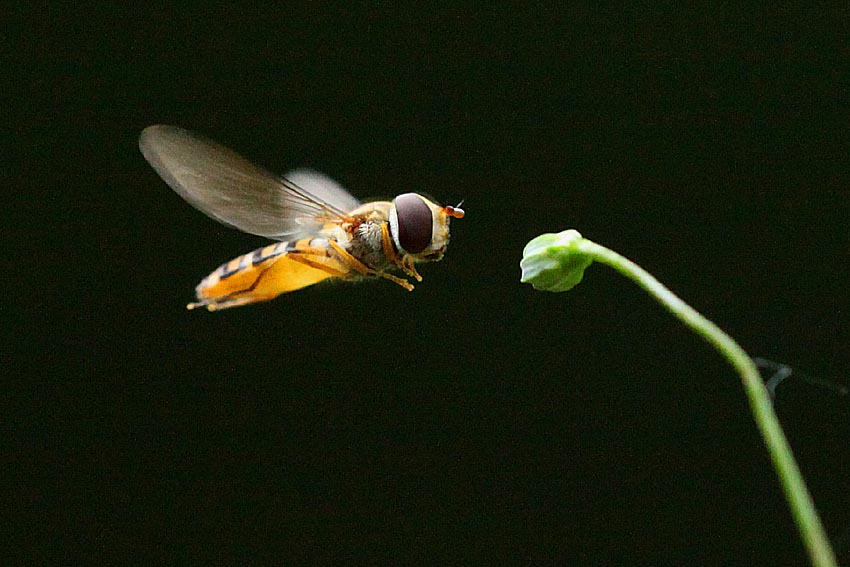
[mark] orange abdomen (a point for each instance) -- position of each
(267, 272)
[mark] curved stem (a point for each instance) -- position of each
(802, 506)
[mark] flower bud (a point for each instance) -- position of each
(554, 262)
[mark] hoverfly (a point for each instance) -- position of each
(323, 231)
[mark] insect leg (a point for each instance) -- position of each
(366, 270)
(406, 265)
(318, 265)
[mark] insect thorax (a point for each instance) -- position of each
(366, 245)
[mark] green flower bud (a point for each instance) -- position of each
(554, 262)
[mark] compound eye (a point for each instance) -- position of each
(415, 223)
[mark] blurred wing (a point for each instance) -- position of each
(239, 194)
(323, 188)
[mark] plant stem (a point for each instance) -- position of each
(799, 499)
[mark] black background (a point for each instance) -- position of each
(474, 420)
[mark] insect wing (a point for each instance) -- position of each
(239, 194)
(323, 188)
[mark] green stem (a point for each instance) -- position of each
(802, 506)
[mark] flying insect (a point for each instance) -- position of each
(323, 232)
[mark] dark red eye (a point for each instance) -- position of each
(415, 223)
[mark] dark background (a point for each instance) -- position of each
(473, 421)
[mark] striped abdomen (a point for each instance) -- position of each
(244, 262)
(267, 272)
